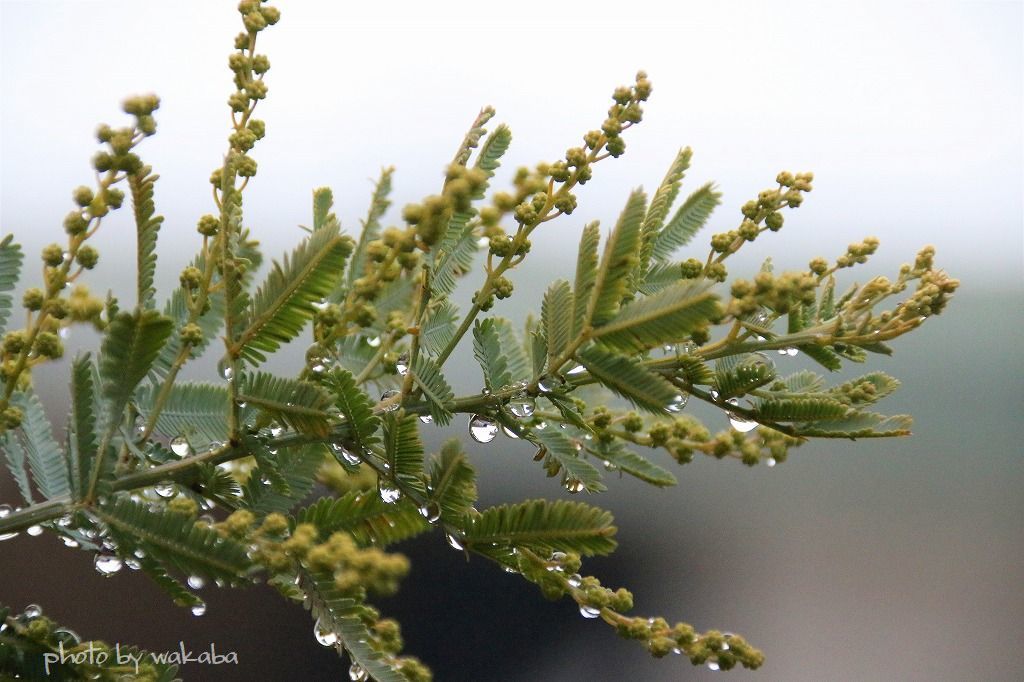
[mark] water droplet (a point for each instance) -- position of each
(388, 493)
(348, 456)
(373, 342)
(678, 404)
(608, 466)
(180, 446)
(578, 369)
(33, 611)
(482, 429)
(540, 426)
(509, 432)
(454, 541)
(738, 422)
(388, 395)
(69, 542)
(166, 489)
(276, 430)
(69, 638)
(196, 582)
(357, 673)
(426, 419)
(133, 563)
(522, 406)
(199, 609)
(557, 558)
(574, 485)
(791, 352)
(107, 564)
(34, 531)
(574, 580)
(324, 637)
(431, 511)
(589, 611)
(770, 461)
(5, 511)
(402, 364)
(546, 385)
(227, 373)
(713, 665)
(64, 332)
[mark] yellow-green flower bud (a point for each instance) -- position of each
(53, 255)
(88, 257)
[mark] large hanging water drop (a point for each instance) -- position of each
(388, 395)
(165, 489)
(574, 485)
(199, 609)
(373, 342)
(589, 611)
(34, 531)
(522, 406)
(678, 403)
(324, 637)
(738, 422)
(482, 429)
(5, 511)
(388, 493)
(454, 541)
(227, 373)
(196, 582)
(791, 352)
(426, 419)
(402, 364)
(713, 665)
(33, 611)
(107, 564)
(357, 673)
(180, 447)
(431, 511)
(350, 458)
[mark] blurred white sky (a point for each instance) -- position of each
(908, 113)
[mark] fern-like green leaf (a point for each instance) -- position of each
(338, 613)
(130, 347)
(175, 540)
(804, 381)
(438, 329)
(867, 389)
(435, 389)
(687, 221)
(379, 204)
(193, 410)
(452, 481)
(823, 355)
(10, 267)
(147, 226)
(403, 450)
(488, 352)
(657, 212)
(543, 526)
(801, 409)
(284, 303)
(16, 459)
(858, 425)
(621, 252)
(736, 375)
(557, 320)
(586, 275)
(299, 404)
(565, 452)
(46, 459)
(297, 468)
(82, 425)
(369, 520)
(356, 407)
(666, 317)
(616, 455)
(455, 259)
(518, 364)
(323, 201)
(627, 378)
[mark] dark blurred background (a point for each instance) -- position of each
(893, 559)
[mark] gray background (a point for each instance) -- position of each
(877, 560)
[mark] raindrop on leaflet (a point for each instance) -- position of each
(69, 542)
(431, 511)
(509, 432)
(166, 489)
(324, 637)
(574, 485)
(196, 582)
(68, 638)
(388, 493)
(357, 673)
(574, 580)
(770, 461)
(276, 431)
(64, 333)
(546, 384)
(388, 395)
(34, 531)
(33, 611)
(578, 369)
(454, 541)
(713, 665)
(227, 372)
(678, 403)
(373, 342)
(180, 447)
(402, 364)
(426, 419)
(482, 429)
(5, 511)
(107, 564)
(589, 611)
(791, 352)
(739, 423)
(346, 455)
(522, 406)
(199, 609)
(133, 563)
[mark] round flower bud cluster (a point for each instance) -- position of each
(779, 294)
(933, 293)
(857, 253)
(431, 217)
(724, 650)
(765, 444)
